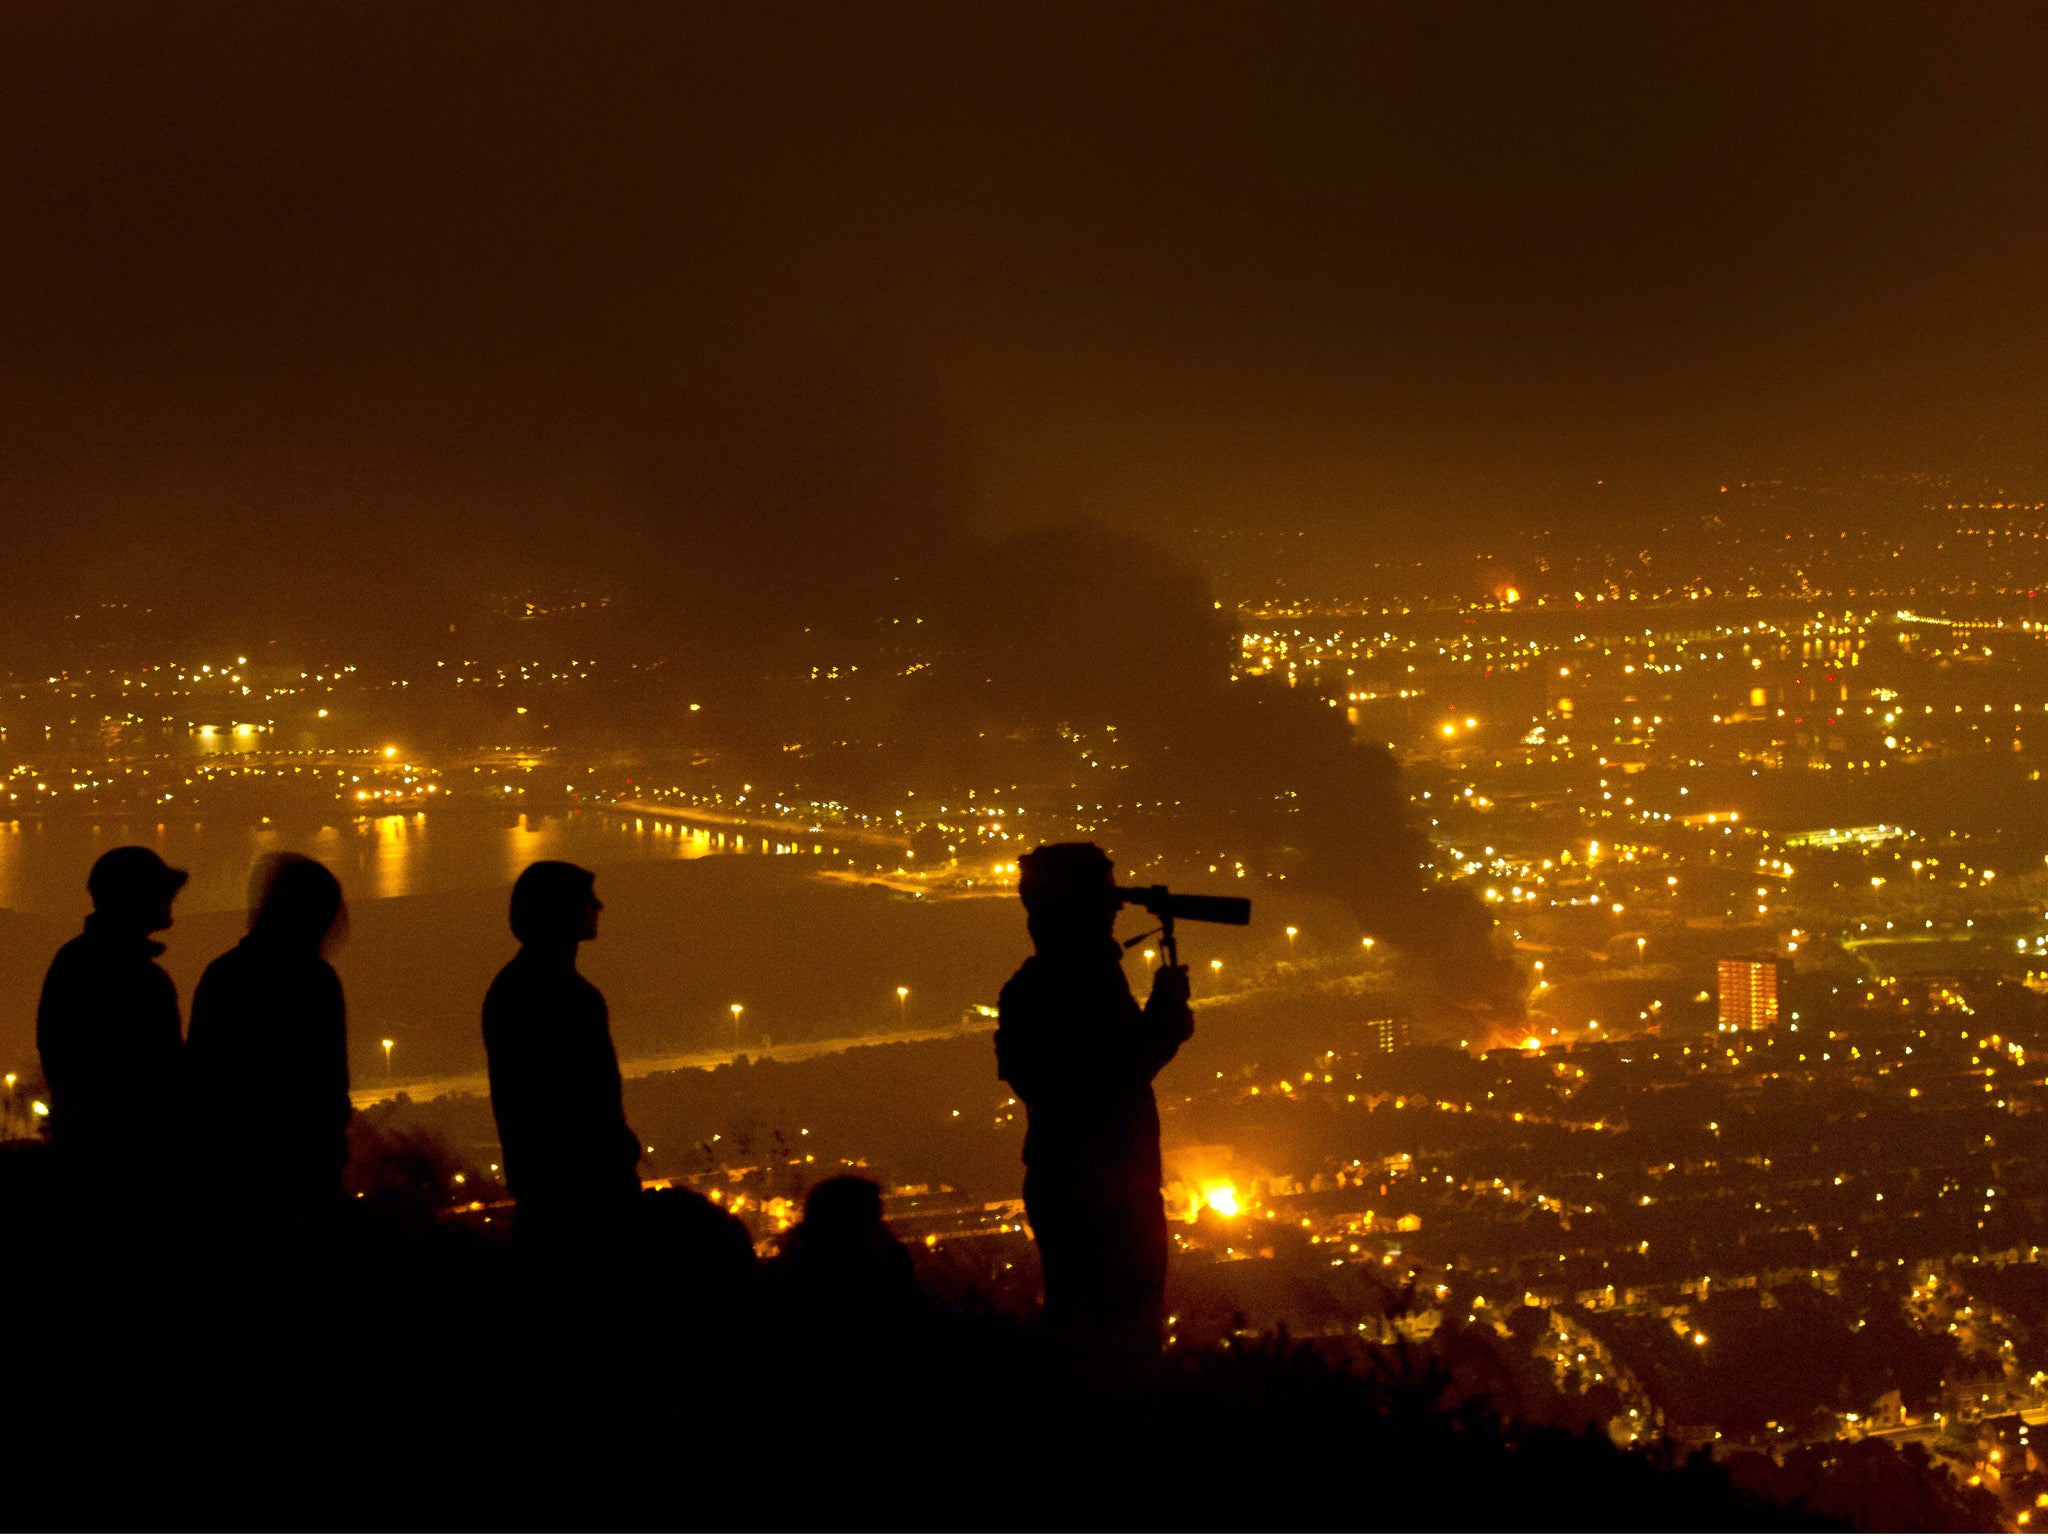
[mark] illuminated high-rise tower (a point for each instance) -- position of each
(1388, 1035)
(1749, 993)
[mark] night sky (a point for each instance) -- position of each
(349, 302)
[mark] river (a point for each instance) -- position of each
(43, 861)
(691, 926)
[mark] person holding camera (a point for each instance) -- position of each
(1079, 1051)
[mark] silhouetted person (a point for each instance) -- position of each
(268, 1053)
(701, 1259)
(1081, 1055)
(842, 1266)
(571, 1161)
(108, 1030)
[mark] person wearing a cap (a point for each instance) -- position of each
(1081, 1054)
(108, 1030)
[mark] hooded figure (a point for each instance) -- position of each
(842, 1268)
(268, 1054)
(1082, 1055)
(107, 1025)
(570, 1157)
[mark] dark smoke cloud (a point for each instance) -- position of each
(1075, 625)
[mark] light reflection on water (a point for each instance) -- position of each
(43, 863)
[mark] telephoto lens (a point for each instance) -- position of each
(1162, 903)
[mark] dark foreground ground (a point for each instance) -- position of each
(182, 1370)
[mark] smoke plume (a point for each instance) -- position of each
(1074, 626)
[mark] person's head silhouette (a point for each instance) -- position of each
(1069, 894)
(295, 903)
(554, 905)
(844, 1210)
(842, 1260)
(132, 888)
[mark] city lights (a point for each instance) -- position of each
(696, 506)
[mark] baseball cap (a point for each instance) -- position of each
(132, 874)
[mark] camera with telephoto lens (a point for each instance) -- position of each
(1166, 906)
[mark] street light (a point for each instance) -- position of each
(1216, 969)
(1291, 932)
(737, 1010)
(1640, 942)
(387, 1044)
(902, 1005)
(1367, 941)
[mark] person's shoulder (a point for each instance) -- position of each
(510, 978)
(324, 981)
(1027, 976)
(216, 986)
(506, 999)
(224, 968)
(72, 976)
(76, 952)
(1019, 990)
